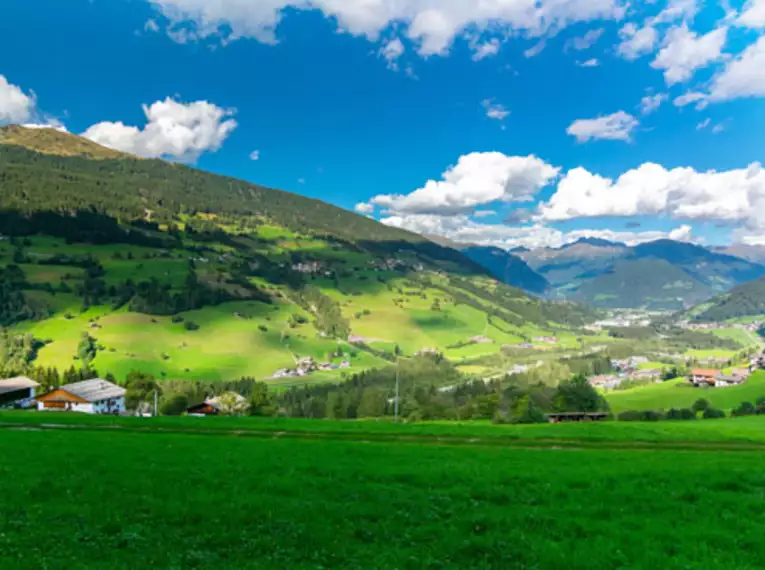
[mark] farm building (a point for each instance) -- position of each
(228, 403)
(703, 377)
(725, 380)
(89, 396)
(19, 391)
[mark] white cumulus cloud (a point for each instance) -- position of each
(744, 76)
(617, 126)
(477, 179)
(391, 51)
(690, 98)
(364, 208)
(495, 110)
(433, 24)
(636, 42)
(677, 10)
(15, 105)
(753, 15)
(179, 131)
(486, 49)
(586, 41)
(650, 103)
(684, 51)
(462, 229)
(651, 189)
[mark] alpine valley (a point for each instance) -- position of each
(127, 264)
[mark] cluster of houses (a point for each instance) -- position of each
(711, 378)
(626, 370)
(311, 268)
(306, 366)
(97, 396)
(94, 396)
(751, 327)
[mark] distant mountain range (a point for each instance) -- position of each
(503, 265)
(663, 274)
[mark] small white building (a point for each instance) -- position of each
(89, 396)
(19, 391)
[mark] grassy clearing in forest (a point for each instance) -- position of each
(194, 501)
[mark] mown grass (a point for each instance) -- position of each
(680, 394)
(733, 431)
(120, 500)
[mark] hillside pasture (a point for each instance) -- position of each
(681, 394)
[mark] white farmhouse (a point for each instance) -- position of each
(89, 396)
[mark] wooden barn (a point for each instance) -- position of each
(89, 396)
(206, 408)
(19, 391)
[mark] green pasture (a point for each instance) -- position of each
(229, 343)
(178, 500)
(680, 394)
(722, 432)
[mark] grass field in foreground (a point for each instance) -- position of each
(731, 430)
(119, 500)
(680, 394)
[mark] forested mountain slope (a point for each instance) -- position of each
(747, 300)
(130, 264)
(508, 268)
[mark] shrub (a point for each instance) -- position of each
(263, 328)
(177, 319)
(713, 414)
(700, 405)
(175, 406)
(630, 416)
(674, 414)
(687, 414)
(652, 416)
(191, 326)
(745, 409)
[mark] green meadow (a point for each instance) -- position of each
(680, 394)
(248, 338)
(189, 500)
(730, 431)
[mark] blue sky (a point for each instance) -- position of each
(370, 103)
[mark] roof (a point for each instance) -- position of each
(732, 379)
(16, 384)
(95, 390)
(705, 372)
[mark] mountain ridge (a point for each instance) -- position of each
(585, 272)
(166, 269)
